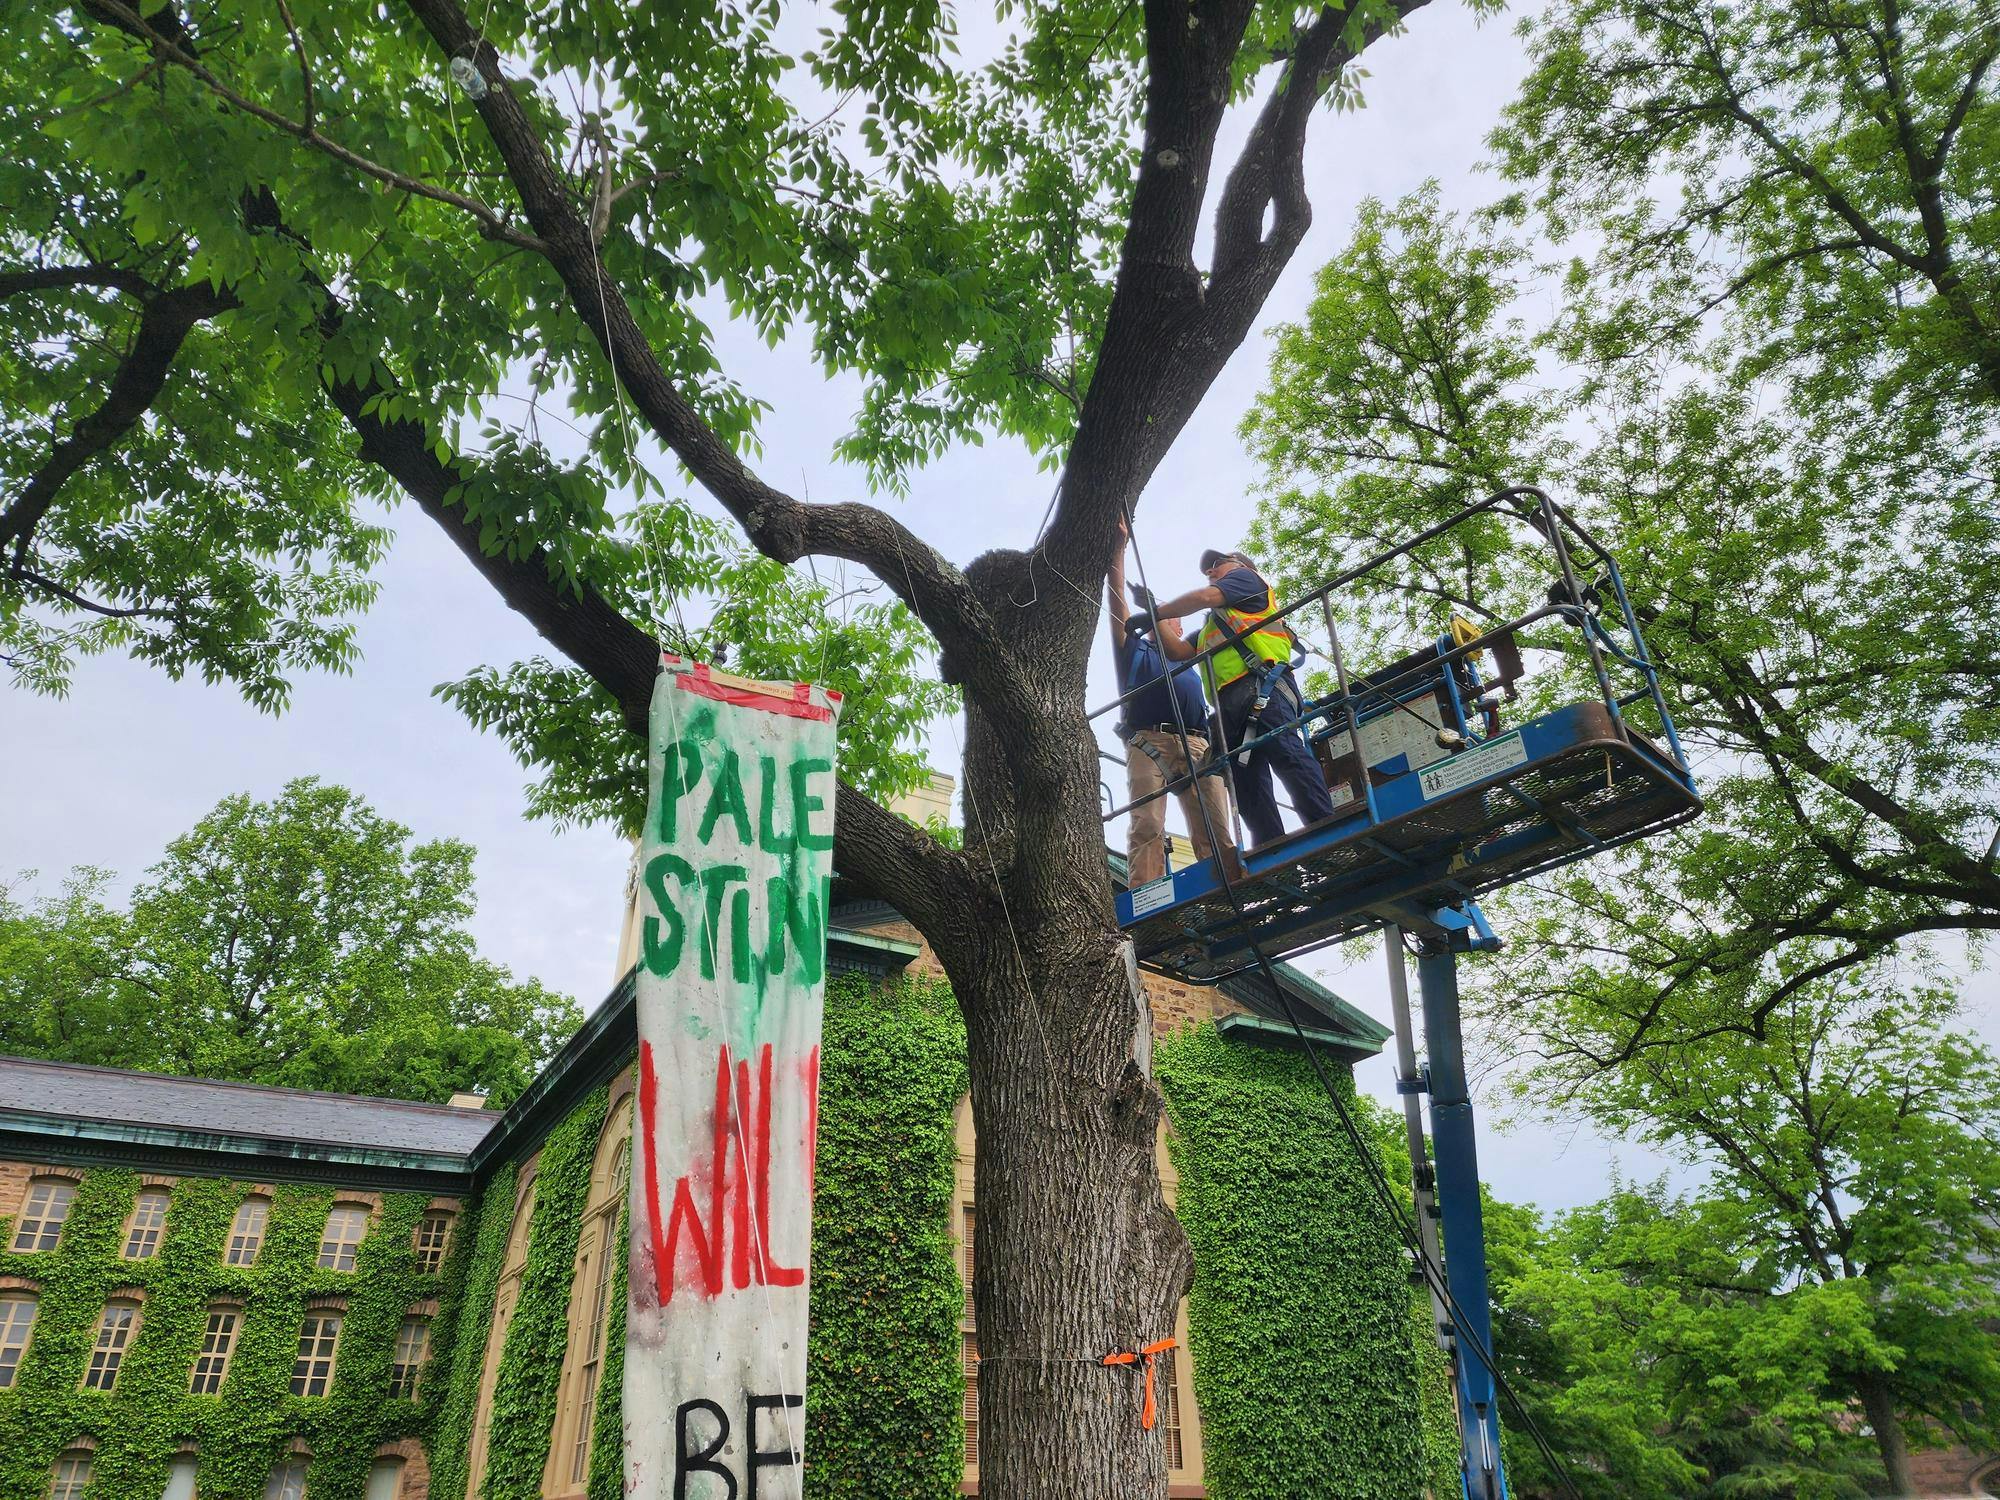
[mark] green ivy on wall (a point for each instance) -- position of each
(1305, 1367)
(530, 1375)
(884, 1392)
(1434, 1399)
(150, 1414)
(483, 1240)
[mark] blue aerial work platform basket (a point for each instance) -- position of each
(1436, 802)
(1452, 803)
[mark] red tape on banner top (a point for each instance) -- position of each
(699, 678)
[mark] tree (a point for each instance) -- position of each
(1655, 1349)
(1803, 564)
(385, 215)
(1805, 596)
(1841, 1254)
(1825, 166)
(306, 941)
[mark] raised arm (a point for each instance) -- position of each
(1208, 596)
(1114, 593)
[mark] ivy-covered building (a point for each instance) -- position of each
(231, 1292)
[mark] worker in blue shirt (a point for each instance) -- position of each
(1252, 661)
(1154, 757)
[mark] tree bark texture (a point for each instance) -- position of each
(1078, 1254)
(1879, 1402)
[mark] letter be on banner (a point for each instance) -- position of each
(737, 870)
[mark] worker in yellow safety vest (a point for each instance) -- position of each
(1256, 695)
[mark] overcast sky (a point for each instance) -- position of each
(130, 759)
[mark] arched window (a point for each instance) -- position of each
(115, 1331)
(505, 1297)
(143, 1229)
(43, 1213)
(319, 1342)
(218, 1342)
(385, 1479)
(590, 1309)
(180, 1479)
(17, 1326)
(433, 1240)
(288, 1479)
(346, 1227)
(72, 1475)
(246, 1232)
(406, 1365)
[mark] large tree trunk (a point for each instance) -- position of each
(1879, 1402)
(1078, 1254)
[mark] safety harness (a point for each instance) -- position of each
(1257, 650)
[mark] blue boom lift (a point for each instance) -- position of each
(1436, 802)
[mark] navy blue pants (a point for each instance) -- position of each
(1286, 755)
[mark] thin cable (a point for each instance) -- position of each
(1432, 1273)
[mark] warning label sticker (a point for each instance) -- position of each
(1475, 764)
(1153, 895)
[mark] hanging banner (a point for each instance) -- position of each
(736, 871)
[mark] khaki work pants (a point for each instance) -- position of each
(1145, 846)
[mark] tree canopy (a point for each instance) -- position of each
(1763, 376)
(405, 232)
(306, 941)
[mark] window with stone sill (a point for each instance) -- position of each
(287, 1481)
(17, 1326)
(319, 1340)
(44, 1213)
(218, 1341)
(72, 1475)
(246, 1232)
(149, 1219)
(406, 1366)
(115, 1329)
(433, 1240)
(346, 1227)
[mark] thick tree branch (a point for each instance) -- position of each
(163, 327)
(974, 651)
(1167, 333)
(1270, 172)
(1963, 105)
(878, 850)
(54, 278)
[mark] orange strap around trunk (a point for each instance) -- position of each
(1150, 1412)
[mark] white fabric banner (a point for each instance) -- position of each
(736, 865)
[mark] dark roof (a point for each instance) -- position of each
(72, 1090)
(68, 1112)
(71, 1113)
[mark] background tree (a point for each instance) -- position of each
(301, 196)
(1853, 1161)
(1796, 471)
(1655, 1348)
(1805, 596)
(306, 941)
